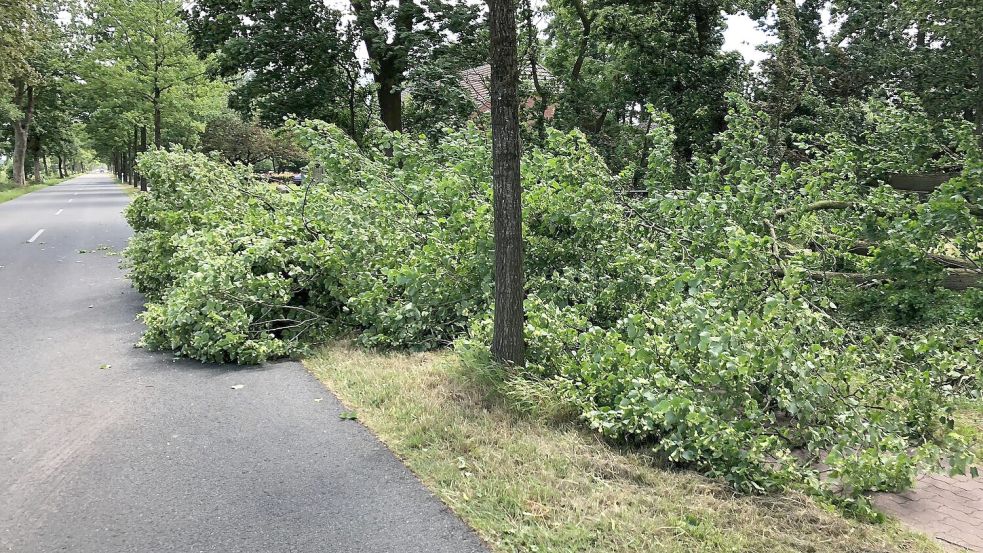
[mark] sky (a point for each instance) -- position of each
(743, 35)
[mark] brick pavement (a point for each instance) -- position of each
(950, 509)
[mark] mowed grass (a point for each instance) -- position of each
(969, 423)
(8, 191)
(527, 484)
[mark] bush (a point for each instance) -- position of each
(697, 322)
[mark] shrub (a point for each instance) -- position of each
(700, 322)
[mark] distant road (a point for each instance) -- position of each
(107, 448)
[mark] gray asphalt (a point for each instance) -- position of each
(154, 454)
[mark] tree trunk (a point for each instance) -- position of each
(37, 169)
(390, 101)
(789, 77)
(388, 57)
(157, 118)
(586, 22)
(143, 148)
(979, 97)
(61, 171)
(20, 154)
(532, 48)
(508, 345)
(133, 156)
(22, 129)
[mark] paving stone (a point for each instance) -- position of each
(948, 508)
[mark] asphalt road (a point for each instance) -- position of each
(152, 454)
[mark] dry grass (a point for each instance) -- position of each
(529, 485)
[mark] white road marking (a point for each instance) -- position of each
(70, 200)
(59, 212)
(35, 237)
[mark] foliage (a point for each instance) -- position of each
(240, 141)
(141, 70)
(614, 57)
(297, 59)
(708, 324)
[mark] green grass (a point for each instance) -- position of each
(969, 423)
(129, 189)
(535, 483)
(8, 191)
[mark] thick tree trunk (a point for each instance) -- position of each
(390, 101)
(388, 56)
(24, 99)
(20, 155)
(508, 345)
(37, 169)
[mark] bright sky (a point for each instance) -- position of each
(743, 35)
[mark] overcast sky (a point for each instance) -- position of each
(743, 35)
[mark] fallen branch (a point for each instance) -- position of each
(821, 205)
(863, 248)
(956, 280)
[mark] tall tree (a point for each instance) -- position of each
(402, 33)
(297, 57)
(931, 48)
(142, 57)
(615, 56)
(29, 38)
(286, 57)
(508, 343)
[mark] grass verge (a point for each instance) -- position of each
(8, 191)
(525, 484)
(969, 422)
(128, 188)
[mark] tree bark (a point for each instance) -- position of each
(133, 156)
(388, 57)
(508, 344)
(789, 77)
(143, 148)
(157, 118)
(979, 97)
(586, 22)
(390, 98)
(24, 99)
(37, 168)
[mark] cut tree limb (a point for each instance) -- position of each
(821, 205)
(956, 279)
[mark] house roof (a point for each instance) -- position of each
(477, 82)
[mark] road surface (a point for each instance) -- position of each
(108, 448)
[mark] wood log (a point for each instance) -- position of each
(922, 183)
(957, 280)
